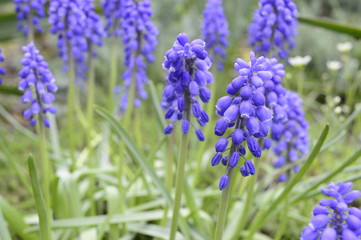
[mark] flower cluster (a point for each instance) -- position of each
(334, 219)
(38, 84)
(187, 65)
(139, 39)
(77, 25)
(274, 27)
(291, 137)
(113, 14)
(2, 70)
(247, 112)
(29, 13)
(215, 30)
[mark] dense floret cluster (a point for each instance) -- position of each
(291, 137)
(29, 13)
(334, 219)
(246, 112)
(139, 39)
(274, 27)
(77, 26)
(38, 84)
(2, 70)
(188, 73)
(215, 31)
(113, 13)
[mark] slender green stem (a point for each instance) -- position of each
(179, 185)
(113, 72)
(222, 210)
(71, 104)
(30, 35)
(90, 118)
(283, 220)
(46, 166)
(301, 79)
(208, 131)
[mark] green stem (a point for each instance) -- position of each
(31, 28)
(247, 207)
(301, 78)
(208, 131)
(179, 185)
(46, 167)
(113, 72)
(71, 104)
(90, 118)
(222, 210)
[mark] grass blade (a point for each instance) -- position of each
(333, 26)
(15, 220)
(329, 176)
(4, 231)
(138, 156)
(44, 220)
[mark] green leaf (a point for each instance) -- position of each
(329, 176)
(333, 26)
(134, 151)
(44, 220)
(10, 90)
(4, 231)
(84, 222)
(156, 104)
(153, 231)
(15, 220)
(262, 217)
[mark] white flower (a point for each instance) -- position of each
(299, 61)
(344, 47)
(334, 65)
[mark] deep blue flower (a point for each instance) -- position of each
(77, 26)
(334, 218)
(215, 31)
(291, 139)
(246, 112)
(274, 27)
(38, 84)
(187, 65)
(2, 70)
(29, 13)
(139, 39)
(113, 10)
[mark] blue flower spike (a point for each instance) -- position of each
(38, 84)
(274, 28)
(334, 219)
(29, 14)
(139, 37)
(244, 111)
(188, 66)
(215, 31)
(2, 70)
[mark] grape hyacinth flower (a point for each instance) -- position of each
(38, 84)
(2, 70)
(244, 111)
(113, 10)
(274, 27)
(334, 218)
(29, 13)
(291, 137)
(215, 31)
(77, 25)
(188, 73)
(139, 39)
